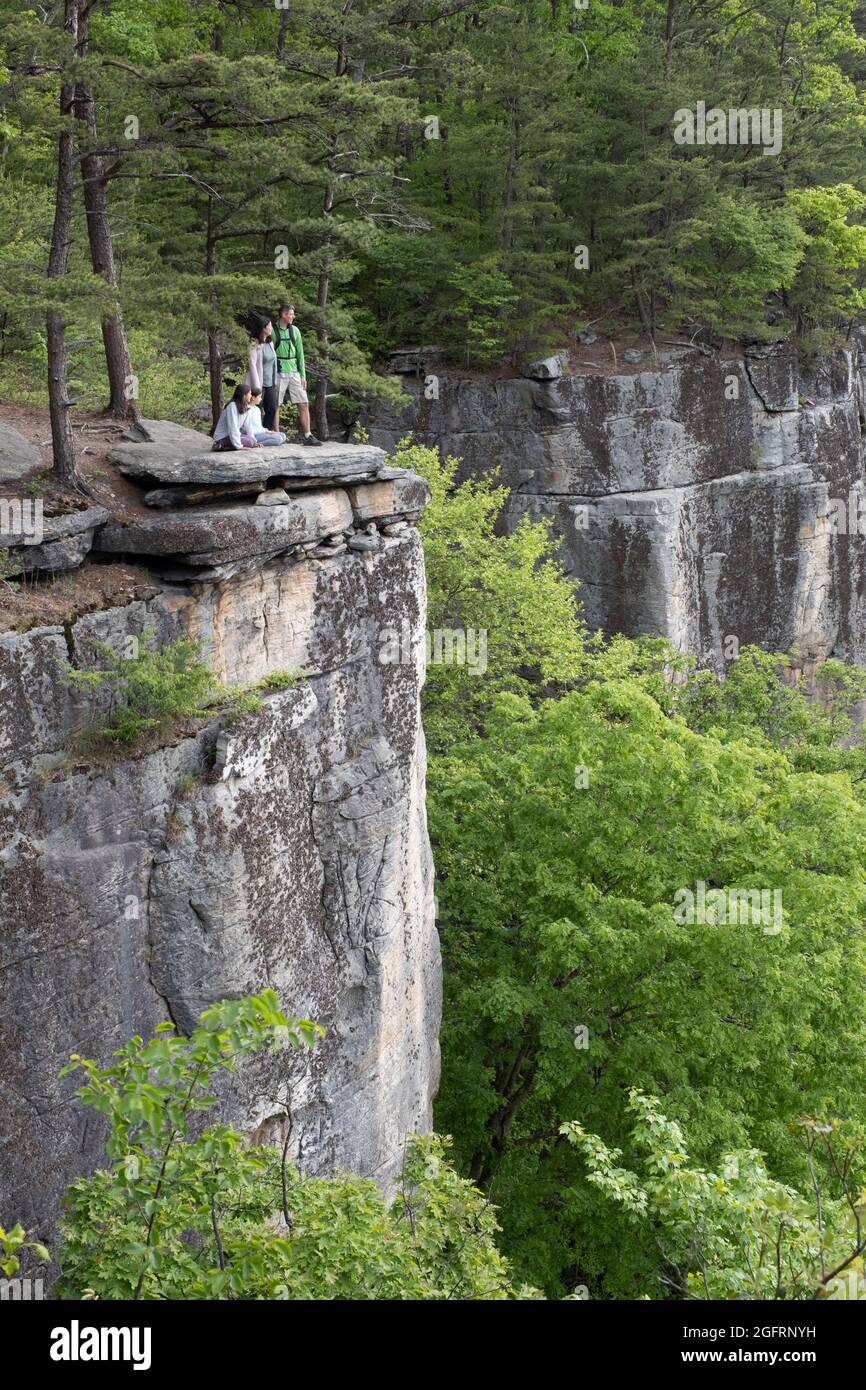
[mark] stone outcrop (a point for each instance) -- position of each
(63, 541)
(700, 498)
(18, 456)
(172, 454)
(209, 513)
(547, 368)
(286, 848)
(210, 535)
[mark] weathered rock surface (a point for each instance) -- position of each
(66, 541)
(547, 368)
(208, 535)
(289, 850)
(397, 493)
(168, 436)
(708, 500)
(198, 493)
(410, 361)
(18, 456)
(170, 462)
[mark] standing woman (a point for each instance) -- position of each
(262, 370)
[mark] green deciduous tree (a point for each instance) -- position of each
(735, 1232)
(511, 589)
(565, 841)
(185, 1212)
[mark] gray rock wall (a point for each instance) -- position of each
(696, 498)
(289, 850)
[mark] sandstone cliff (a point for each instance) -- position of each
(698, 497)
(289, 850)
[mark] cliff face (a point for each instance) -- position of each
(699, 498)
(287, 850)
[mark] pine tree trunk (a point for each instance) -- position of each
(214, 348)
(122, 398)
(320, 410)
(281, 36)
(320, 413)
(670, 33)
(62, 442)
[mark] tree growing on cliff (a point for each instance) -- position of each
(188, 1214)
(123, 402)
(63, 448)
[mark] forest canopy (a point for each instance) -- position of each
(388, 165)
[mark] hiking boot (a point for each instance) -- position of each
(311, 439)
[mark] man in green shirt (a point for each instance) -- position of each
(291, 369)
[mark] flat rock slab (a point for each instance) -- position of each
(221, 535)
(167, 462)
(393, 496)
(18, 456)
(64, 543)
(165, 434)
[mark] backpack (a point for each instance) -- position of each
(277, 337)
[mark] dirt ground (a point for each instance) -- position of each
(94, 437)
(42, 601)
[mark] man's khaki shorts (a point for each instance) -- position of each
(291, 385)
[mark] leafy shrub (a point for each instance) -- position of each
(13, 1241)
(151, 689)
(196, 1216)
(281, 680)
(511, 588)
(735, 1233)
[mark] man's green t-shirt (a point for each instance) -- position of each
(289, 349)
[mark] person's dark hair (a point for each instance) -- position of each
(259, 326)
(238, 395)
(248, 319)
(283, 308)
(255, 392)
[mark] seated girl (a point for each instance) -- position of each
(255, 426)
(233, 429)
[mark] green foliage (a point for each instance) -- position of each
(170, 384)
(14, 1241)
(563, 831)
(149, 690)
(483, 300)
(562, 841)
(385, 230)
(8, 567)
(191, 1213)
(814, 721)
(282, 680)
(832, 279)
(509, 587)
(735, 1232)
